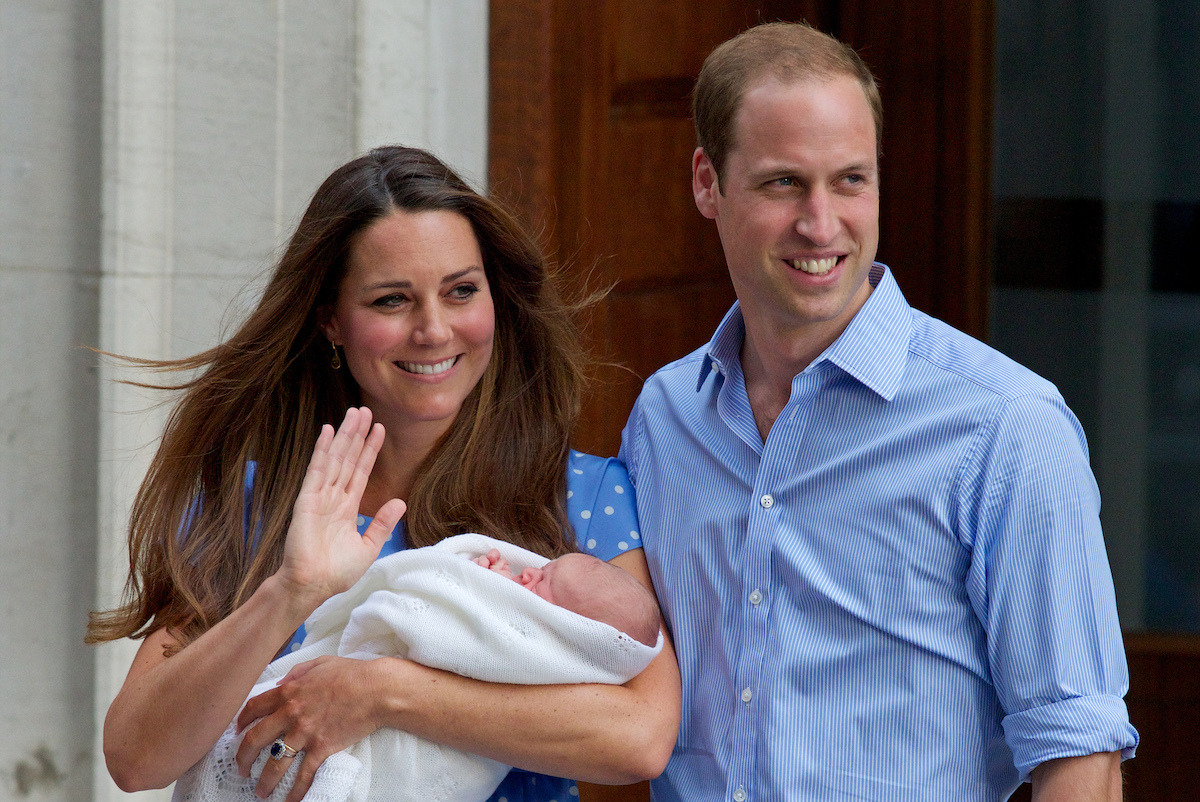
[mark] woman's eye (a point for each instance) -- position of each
(464, 291)
(394, 299)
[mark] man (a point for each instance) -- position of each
(875, 539)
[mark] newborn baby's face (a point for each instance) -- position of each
(559, 580)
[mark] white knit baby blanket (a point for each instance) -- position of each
(436, 607)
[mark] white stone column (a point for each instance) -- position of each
(220, 119)
(422, 79)
(49, 270)
(135, 295)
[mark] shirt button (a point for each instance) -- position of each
(739, 795)
(747, 695)
(766, 501)
(755, 597)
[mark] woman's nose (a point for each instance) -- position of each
(433, 328)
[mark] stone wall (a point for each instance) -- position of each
(153, 157)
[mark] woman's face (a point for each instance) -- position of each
(414, 317)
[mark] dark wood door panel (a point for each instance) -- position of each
(671, 38)
(646, 330)
(933, 62)
(657, 236)
(591, 140)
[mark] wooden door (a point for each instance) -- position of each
(591, 141)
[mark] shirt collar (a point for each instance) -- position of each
(872, 349)
(725, 347)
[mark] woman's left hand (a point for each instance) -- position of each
(320, 707)
(323, 553)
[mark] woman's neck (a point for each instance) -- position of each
(404, 449)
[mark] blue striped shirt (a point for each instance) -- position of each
(902, 594)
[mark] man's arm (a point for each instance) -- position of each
(1091, 778)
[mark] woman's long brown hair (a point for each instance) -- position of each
(198, 547)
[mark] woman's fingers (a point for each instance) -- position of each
(314, 477)
(275, 768)
(258, 707)
(347, 445)
(300, 669)
(306, 775)
(261, 735)
(365, 461)
(386, 518)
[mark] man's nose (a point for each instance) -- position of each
(816, 220)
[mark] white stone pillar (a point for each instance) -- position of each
(422, 79)
(135, 295)
(220, 119)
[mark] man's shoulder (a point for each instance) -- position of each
(681, 374)
(944, 348)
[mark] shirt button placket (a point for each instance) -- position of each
(763, 526)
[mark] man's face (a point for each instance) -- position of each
(798, 207)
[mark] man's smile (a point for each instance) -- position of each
(816, 267)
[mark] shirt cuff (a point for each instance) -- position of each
(1082, 725)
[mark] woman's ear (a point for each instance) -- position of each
(327, 322)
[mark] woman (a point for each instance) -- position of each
(412, 301)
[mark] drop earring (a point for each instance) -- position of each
(336, 361)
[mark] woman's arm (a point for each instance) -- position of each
(170, 711)
(610, 734)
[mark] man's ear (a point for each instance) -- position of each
(705, 186)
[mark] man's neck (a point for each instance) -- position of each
(770, 360)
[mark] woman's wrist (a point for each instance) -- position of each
(397, 684)
(292, 601)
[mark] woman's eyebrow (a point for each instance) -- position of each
(404, 284)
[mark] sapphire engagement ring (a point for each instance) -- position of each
(280, 750)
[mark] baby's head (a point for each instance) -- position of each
(592, 588)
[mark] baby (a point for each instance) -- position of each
(585, 621)
(589, 587)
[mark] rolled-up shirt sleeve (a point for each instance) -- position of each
(1040, 583)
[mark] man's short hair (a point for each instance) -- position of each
(785, 51)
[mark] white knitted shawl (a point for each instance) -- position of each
(436, 607)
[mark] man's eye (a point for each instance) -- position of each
(787, 181)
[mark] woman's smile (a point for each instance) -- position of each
(426, 369)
